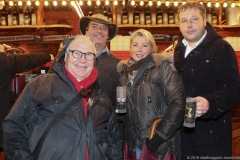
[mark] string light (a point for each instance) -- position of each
(46, 3)
(20, 3)
(167, 3)
(233, 4)
(150, 3)
(64, 3)
(80, 2)
(132, 2)
(72, 3)
(175, 3)
(89, 2)
(225, 4)
(98, 2)
(158, 3)
(107, 2)
(201, 2)
(141, 3)
(37, 3)
(185, 2)
(115, 2)
(217, 4)
(55, 3)
(11, 3)
(29, 3)
(209, 4)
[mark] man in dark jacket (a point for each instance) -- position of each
(209, 68)
(87, 131)
(9, 66)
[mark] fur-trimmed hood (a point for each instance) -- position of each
(158, 58)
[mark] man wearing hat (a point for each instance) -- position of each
(100, 30)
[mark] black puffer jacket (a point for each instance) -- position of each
(157, 92)
(211, 71)
(42, 99)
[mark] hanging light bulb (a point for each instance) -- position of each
(158, 3)
(98, 2)
(115, 2)
(10, 3)
(64, 3)
(123, 2)
(141, 3)
(80, 2)
(29, 3)
(201, 2)
(20, 3)
(55, 3)
(167, 3)
(232, 4)
(185, 2)
(132, 2)
(225, 4)
(176, 3)
(89, 2)
(150, 3)
(209, 4)
(217, 4)
(37, 3)
(46, 2)
(107, 2)
(72, 2)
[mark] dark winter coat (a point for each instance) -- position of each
(42, 99)
(9, 66)
(210, 71)
(157, 92)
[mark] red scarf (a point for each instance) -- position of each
(83, 84)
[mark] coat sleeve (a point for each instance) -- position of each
(115, 149)
(227, 92)
(23, 63)
(15, 132)
(173, 89)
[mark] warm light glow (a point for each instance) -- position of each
(115, 2)
(10, 3)
(167, 3)
(233, 5)
(64, 3)
(107, 2)
(225, 4)
(89, 2)
(132, 2)
(29, 3)
(46, 3)
(37, 3)
(72, 2)
(209, 4)
(55, 3)
(217, 4)
(158, 3)
(20, 3)
(123, 2)
(175, 3)
(141, 3)
(150, 3)
(98, 2)
(185, 2)
(80, 2)
(201, 2)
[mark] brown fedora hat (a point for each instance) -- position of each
(99, 18)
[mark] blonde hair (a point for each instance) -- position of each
(192, 5)
(147, 36)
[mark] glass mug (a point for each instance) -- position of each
(121, 99)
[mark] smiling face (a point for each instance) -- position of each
(192, 25)
(139, 48)
(98, 33)
(80, 68)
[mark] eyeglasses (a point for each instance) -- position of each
(78, 54)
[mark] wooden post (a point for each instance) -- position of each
(40, 14)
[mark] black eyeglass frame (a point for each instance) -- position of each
(82, 53)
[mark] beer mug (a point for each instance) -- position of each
(121, 99)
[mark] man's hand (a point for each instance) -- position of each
(202, 106)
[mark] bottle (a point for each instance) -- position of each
(148, 18)
(170, 16)
(125, 16)
(15, 18)
(214, 16)
(4, 19)
(20, 16)
(110, 18)
(159, 16)
(209, 16)
(33, 16)
(9, 17)
(27, 16)
(136, 16)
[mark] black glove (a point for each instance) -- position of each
(154, 143)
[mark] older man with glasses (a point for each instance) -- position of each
(63, 115)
